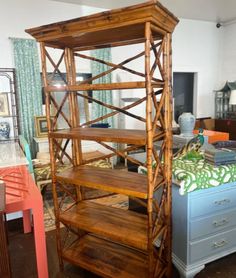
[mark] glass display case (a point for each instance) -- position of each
(223, 110)
(9, 125)
(222, 104)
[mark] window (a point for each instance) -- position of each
(183, 90)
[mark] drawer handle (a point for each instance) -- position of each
(222, 202)
(221, 222)
(219, 244)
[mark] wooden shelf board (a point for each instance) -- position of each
(106, 259)
(129, 136)
(123, 226)
(103, 86)
(127, 183)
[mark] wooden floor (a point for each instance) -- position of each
(24, 264)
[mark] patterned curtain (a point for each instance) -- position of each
(104, 96)
(28, 84)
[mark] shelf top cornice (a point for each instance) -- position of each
(126, 26)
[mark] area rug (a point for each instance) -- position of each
(117, 200)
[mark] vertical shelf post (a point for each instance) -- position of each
(74, 110)
(168, 149)
(149, 145)
(51, 150)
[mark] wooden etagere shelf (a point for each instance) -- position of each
(108, 241)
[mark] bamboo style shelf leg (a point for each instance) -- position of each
(149, 145)
(168, 150)
(52, 157)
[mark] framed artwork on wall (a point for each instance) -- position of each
(8, 103)
(4, 105)
(41, 126)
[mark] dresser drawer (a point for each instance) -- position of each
(212, 224)
(212, 245)
(211, 203)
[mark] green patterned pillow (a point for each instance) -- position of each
(193, 175)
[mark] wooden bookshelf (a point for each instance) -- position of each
(112, 242)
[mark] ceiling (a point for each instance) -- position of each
(222, 11)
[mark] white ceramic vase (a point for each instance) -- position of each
(186, 123)
(4, 130)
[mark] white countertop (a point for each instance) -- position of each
(11, 155)
(41, 139)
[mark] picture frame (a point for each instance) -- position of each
(41, 126)
(4, 105)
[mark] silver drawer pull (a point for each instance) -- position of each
(221, 222)
(222, 202)
(219, 244)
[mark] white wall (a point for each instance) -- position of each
(195, 43)
(16, 16)
(196, 48)
(228, 57)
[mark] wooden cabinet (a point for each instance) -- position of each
(204, 227)
(226, 125)
(105, 240)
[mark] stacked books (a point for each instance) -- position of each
(221, 156)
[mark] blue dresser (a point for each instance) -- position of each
(204, 227)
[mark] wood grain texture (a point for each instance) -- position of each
(126, 227)
(129, 136)
(91, 31)
(102, 86)
(168, 155)
(107, 259)
(116, 181)
(149, 147)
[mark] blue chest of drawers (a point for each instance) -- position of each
(204, 227)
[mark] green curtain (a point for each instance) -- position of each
(28, 84)
(104, 96)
